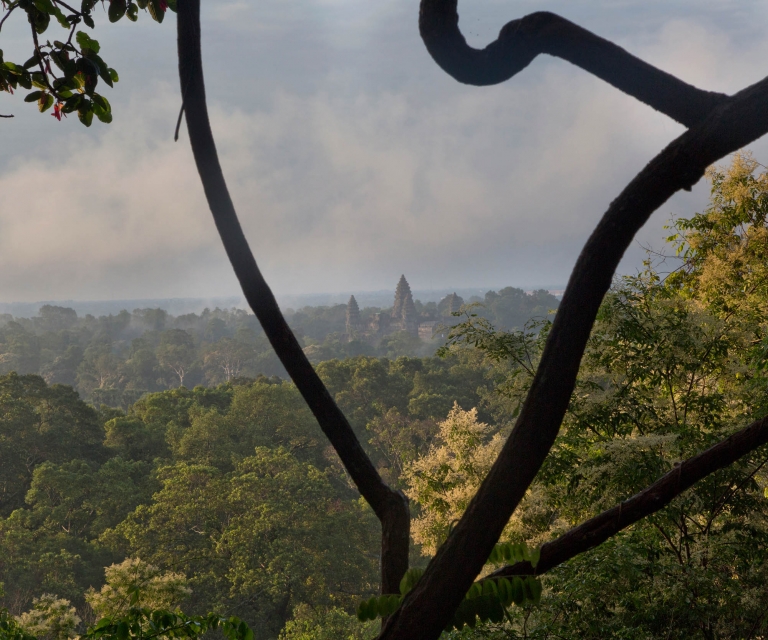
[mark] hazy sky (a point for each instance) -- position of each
(351, 156)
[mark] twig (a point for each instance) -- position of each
(5, 17)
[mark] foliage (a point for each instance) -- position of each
(313, 623)
(51, 618)
(71, 88)
(673, 366)
(146, 624)
(114, 360)
(10, 629)
(137, 584)
(443, 481)
(487, 600)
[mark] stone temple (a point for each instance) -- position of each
(403, 317)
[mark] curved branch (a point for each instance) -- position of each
(390, 506)
(520, 41)
(428, 607)
(653, 498)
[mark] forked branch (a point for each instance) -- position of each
(719, 125)
(730, 124)
(390, 506)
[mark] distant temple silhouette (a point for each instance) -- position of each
(403, 317)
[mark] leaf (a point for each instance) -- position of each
(72, 104)
(86, 42)
(157, 13)
(122, 631)
(116, 9)
(518, 594)
(32, 62)
(410, 579)
(45, 102)
(33, 97)
(535, 588)
(40, 20)
(85, 116)
(39, 80)
(113, 75)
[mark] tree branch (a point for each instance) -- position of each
(428, 607)
(390, 506)
(655, 497)
(520, 41)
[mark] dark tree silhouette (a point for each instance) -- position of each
(718, 125)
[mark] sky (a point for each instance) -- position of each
(351, 157)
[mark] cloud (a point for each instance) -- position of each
(346, 183)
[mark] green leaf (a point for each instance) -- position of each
(103, 103)
(410, 579)
(40, 20)
(39, 80)
(117, 9)
(25, 81)
(534, 585)
(505, 591)
(45, 5)
(33, 97)
(86, 117)
(132, 12)
(153, 6)
(518, 594)
(122, 628)
(32, 62)
(86, 42)
(113, 75)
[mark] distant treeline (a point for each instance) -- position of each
(116, 359)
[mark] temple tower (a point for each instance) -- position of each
(353, 316)
(403, 290)
(450, 304)
(410, 321)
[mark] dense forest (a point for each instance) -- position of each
(115, 359)
(227, 498)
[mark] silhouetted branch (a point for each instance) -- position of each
(732, 124)
(520, 41)
(655, 497)
(390, 506)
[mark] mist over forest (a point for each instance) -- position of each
(114, 359)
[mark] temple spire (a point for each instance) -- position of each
(353, 316)
(403, 290)
(410, 320)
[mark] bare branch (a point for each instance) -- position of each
(655, 497)
(390, 506)
(520, 41)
